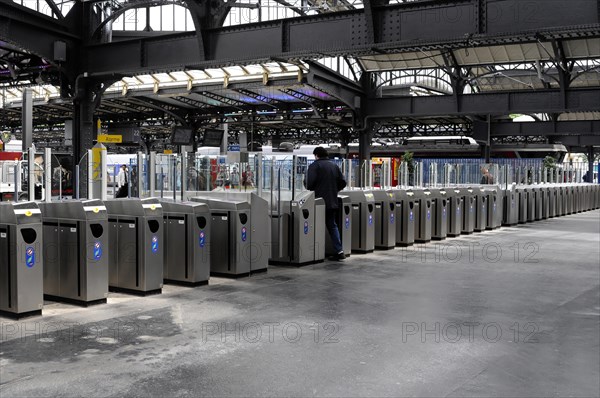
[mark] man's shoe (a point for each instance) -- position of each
(337, 257)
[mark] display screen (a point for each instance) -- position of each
(182, 136)
(213, 137)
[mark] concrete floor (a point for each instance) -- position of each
(524, 323)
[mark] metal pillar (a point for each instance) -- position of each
(590, 175)
(27, 119)
(364, 150)
(83, 130)
(488, 142)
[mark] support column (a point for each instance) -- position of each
(84, 132)
(488, 142)
(27, 119)
(364, 149)
(590, 176)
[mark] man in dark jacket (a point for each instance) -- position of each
(326, 180)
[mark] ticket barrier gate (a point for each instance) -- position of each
(231, 227)
(468, 222)
(407, 208)
(187, 237)
(539, 202)
(439, 226)
(385, 220)
(76, 251)
(363, 218)
(320, 231)
(560, 200)
(552, 199)
(294, 231)
(344, 224)
(494, 209)
(545, 194)
(510, 206)
(481, 209)
(580, 197)
(136, 245)
(523, 199)
(21, 260)
(568, 195)
(423, 228)
(260, 231)
(455, 212)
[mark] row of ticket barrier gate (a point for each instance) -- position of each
(76, 251)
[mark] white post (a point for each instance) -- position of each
(183, 173)
(258, 177)
(103, 176)
(48, 175)
(31, 181)
(90, 175)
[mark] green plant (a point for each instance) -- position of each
(408, 157)
(549, 163)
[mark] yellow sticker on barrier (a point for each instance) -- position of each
(28, 213)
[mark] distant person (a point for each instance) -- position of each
(248, 178)
(234, 177)
(326, 180)
(487, 178)
(123, 182)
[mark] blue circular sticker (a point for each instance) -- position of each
(428, 215)
(97, 251)
(30, 257)
(458, 210)
(202, 239)
(305, 227)
(471, 209)
(392, 218)
(244, 234)
(444, 212)
(370, 219)
(347, 223)
(494, 207)
(411, 217)
(154, 245)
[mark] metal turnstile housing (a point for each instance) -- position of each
(523, 199)
(344, 223)
(320, 231)
(406, 210)
(385, 220)
(76, 251)
(494, 210)
(294, 231)
(230, 226)
(363, 219)
(439, 221)
(21, 260)
(481, 209)
(187, 237)
(259, 228)
(423, 228)
(468, 224)
(455, 212)
(510, 206)
(136, 245)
